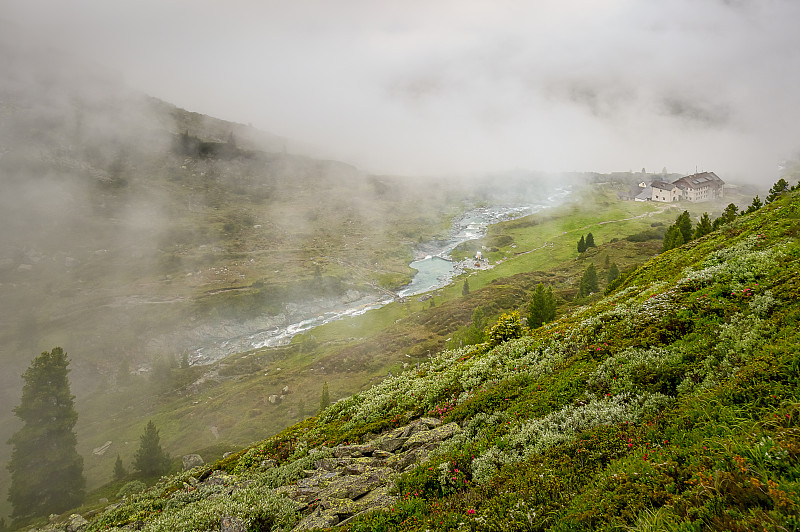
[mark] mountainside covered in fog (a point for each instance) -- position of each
(136, 233)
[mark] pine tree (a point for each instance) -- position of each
(703, 226)
(673, 239)
(150, 458)
(757, 204)
(119, 470)
(325, 398)
(684, 223)
(542, 308)
(46, 470)
(465, 288)
(777, 189)
(581, 245)
(590, 241)
(588, 282)
(727, 216)
(613, 273)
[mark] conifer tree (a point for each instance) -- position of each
(613, 273)
(757, 204)
(777, 189)
(46, 470)
(119, 470)
(684, 223)
(325, 398)
(542, 308)
(703, 226)
(465, 288)
(673, 239)
(150, 458)
(581, 245)
(588, 283)
(590, 241)
(727, 216)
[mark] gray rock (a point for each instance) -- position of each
(391, 444)
(75, 523)
(232, 524)
(190, 461)
(268, 464)
(318, 519)
(353, 451)
(437, 434)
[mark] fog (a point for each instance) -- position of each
(437, 87)
(121, 244)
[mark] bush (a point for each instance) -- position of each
(134, 486)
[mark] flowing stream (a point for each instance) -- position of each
(434, 269)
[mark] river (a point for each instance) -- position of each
(434, 270)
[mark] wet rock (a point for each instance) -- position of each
(434, 435)
(353, 451)
(391, 444)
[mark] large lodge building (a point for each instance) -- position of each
(704, 186)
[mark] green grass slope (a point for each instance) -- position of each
(671, 404)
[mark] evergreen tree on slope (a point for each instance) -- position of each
(150, 458)
(46, 470)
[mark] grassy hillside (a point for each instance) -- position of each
(671, 403)
(226, 405)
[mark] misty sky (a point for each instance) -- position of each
(412, 86)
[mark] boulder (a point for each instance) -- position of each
(318, 519)
(434, 435)
(75, 523)
(190, 461)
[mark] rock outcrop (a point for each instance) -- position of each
(346, 481)
(358, 478)
(191, 461)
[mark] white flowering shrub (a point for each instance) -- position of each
(739, 265)
(258, 507)
(537, 435)
(620, 372)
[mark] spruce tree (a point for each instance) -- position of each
(119, 470)
(777, 189)
(703, 226)
(150, 458)
(613, 273)
(542, 308)
(581, 245)
(684, 223)
(757, 204)
(325, 398)
(590, 241)
(588, 283)
(673, 239)
(46, 470)
(465, 288)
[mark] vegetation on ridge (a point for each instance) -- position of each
(672, 403)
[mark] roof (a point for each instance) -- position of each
(663, 185)
(699, 180)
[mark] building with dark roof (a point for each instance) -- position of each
(704, 186)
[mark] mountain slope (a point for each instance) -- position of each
(672, 404)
